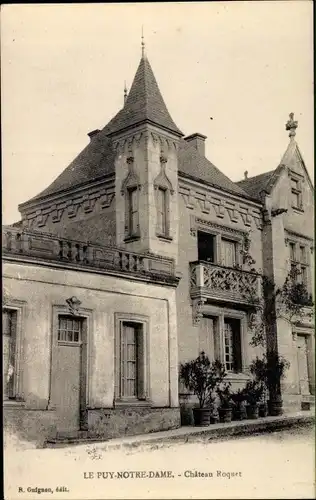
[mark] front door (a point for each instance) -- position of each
(69, 373)
(302, 365)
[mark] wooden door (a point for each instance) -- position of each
(302, 365)
(69, 377)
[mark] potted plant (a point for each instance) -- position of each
(201, 377)
(239, 405)
(253, 392)
(276, 369)
(258, 369)
(225, 397)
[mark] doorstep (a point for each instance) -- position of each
(191, 433)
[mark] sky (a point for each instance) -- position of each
(232, 71)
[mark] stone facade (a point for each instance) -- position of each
(138, 247)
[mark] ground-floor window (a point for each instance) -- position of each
(131, 360)
(232, 345)
(220, 338)
(9, 323)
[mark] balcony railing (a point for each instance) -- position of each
(219, 283)
(41, 246)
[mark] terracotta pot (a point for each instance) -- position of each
(263, 410)
(202, 416)
(253, 411)
(225, 414)
(275, 407)
(239, 413)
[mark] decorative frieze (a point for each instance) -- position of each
(87, 203)
(203, 224)
(235, 211)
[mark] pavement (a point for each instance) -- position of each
(186, 434)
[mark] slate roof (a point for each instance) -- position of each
(194, 165)
(254, 185)
(94, 162)
(144, 103)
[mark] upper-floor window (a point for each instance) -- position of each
(206, 246)
(299, 262)
(9, 324)
(296, 194)
(162, 222)
(229, 253)
(292, 251)
(132, 211)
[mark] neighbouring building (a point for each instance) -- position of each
(130, 262)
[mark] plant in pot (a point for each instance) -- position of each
(276, 369)
(201, 377)
(239, 405)
(253, 392)
(226, 403)
(258, 368)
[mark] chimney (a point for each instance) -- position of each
(246, 174)
(93, 133)
(198, 141)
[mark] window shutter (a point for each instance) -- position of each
(141, 392)
(237, 347)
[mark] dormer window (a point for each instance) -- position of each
(296, 194)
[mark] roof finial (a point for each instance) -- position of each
(291, 125)
(143, 43)
(125, 92)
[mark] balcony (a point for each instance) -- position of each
(223, 284)
(47, 249)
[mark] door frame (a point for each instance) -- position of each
(85, 365)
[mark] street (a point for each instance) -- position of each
(275, 465)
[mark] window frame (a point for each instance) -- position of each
(18, 307)
(218, 316)
(297, 191)
(141, 322)
(130, 231)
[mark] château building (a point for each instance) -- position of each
(131, 262)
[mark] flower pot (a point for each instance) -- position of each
(305, 406)
(239, 413)
(263, 410)
(253, 411)
(225, 414)
(202, 416)
(275, 407)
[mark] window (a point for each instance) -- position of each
(131, 377)
(69, 329)
(228, 253)
(232, 345)
(296, 193)
(206, 246)
(9, 323)
(302, 255)
(132, 211)
(292, 251)
(162, 211)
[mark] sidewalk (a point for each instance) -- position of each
(190, 433)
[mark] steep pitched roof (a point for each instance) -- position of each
(95, 161)
(144, 103)
(266, 181)
(197, 166)
(255, 185)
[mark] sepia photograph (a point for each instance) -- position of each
(158, 332)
